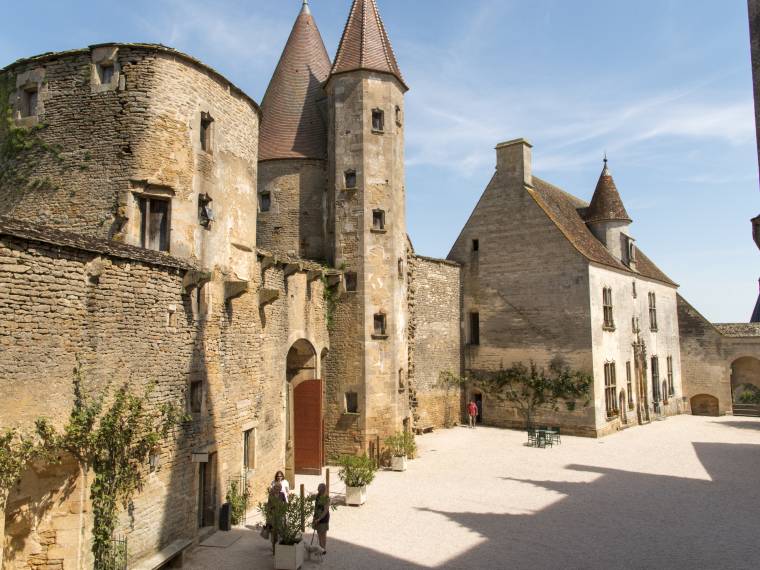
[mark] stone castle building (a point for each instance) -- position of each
(252, 262)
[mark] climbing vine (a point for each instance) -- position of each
(331, 300)
(113, 435)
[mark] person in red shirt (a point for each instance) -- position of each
(472, 412)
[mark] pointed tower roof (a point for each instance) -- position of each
(756, 313)
(292, 125)
(606, 205)
(365, 43)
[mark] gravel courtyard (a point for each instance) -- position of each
(682, 493)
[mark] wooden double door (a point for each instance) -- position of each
(308, 428)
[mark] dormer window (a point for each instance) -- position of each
(631, 250)
(105, 73)
(29, 102)
(378, 120)
(350, 179)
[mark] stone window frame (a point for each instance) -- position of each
(145, 220)
(102, 58)
(378, 121)
(195, 397)
(656, 388)
(608, 313)
(629, 384)
(475, 244)
(401, 268)
(473, 322)
(350, 179)
(630, 246)
(268, 208)
(610, 390)
(250, 448)
(652, 311)
(351, 279)
(401, 380)
(129, 207)
(351, 396)
(378, 221)
(380, 325)
(206, 132)
(671, 384)
(28, 83)
(634, 292)
(399, 116)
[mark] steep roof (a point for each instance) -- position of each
(565, 210)
(756, 313)
(292, 125)
(606, 205)
(365, 43)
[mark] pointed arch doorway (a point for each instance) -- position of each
(305, 410)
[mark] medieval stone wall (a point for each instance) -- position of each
(295, 221)
(434, 341)
(129, 321)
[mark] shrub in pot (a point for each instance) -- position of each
(356, 472)
(285, 520)
(402, 447)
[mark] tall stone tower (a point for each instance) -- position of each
(367, 230)
(293, 147)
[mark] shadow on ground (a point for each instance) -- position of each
(741, 425)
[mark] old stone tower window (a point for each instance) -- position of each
(399, 116)
(249, 449)
(196, 396)
(154, 223)
(652, 312)
(105, 72)
(400, 267)
(378, 220)
(671, 386)
(610, 389)
(350, 179)
(265, 201)
(379, 325)
(629, 383)
(401, 382)
(352, 403)
(207, 123)
(378, 120)
(29, 102)
(475, 245)
(474, 329)
(351, 282)
(205, 213)
(609, 321)
(635, 294)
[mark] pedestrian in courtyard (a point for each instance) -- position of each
(274, 511)
(279, 479)
(321, 522)
(472, 412)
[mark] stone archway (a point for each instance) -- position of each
(305, 410)
(705, 405)
(745, 376)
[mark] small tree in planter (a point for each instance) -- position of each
(286, 520)
(356, 472)
(402, 447)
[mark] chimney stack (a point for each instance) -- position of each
(513, 159)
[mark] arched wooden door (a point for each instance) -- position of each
(307, 427)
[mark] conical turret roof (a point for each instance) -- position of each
(606, 205)
(756, 313)
(292, 125)
(365, 43)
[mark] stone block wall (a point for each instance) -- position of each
(126, 315)
(434, 340)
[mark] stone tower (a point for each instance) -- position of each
(367, 229)
(293, 146)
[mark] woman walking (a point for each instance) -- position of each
(279, 479)
(321, 522)
(274, 511)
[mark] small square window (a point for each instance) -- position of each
(205, 133)
(352, 403)
(29, 103)
(196, 396)
(379, 325)
(378, 220)
(249, 449)
(350, 179)
(351, 282)
(265, 202)
(475, 245)
(378, 120)
(105, 73)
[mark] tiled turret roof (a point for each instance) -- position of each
(756, 313)
(292, 125)
(365, 43)
(606, 205)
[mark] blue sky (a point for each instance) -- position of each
(664, 86)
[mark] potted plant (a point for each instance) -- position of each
(285, 519)
(356, 472)
(402, 447)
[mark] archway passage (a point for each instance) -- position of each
(305, 409)
(704, 405)
(745, 377)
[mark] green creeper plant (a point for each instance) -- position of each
(238, 500)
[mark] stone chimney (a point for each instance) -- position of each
(513, 159)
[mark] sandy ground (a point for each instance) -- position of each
(682, 493)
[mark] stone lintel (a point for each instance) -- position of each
(234, 289)
(195, 278)
(291, 268)
(267, 296)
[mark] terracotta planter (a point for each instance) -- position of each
(356, 496)
(288, 556)
(398, 463)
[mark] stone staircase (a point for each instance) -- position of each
(747, 410)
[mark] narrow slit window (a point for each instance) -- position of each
(476, 245)
(671, 385)
(609, 321)
(205, 132)
(635, 294)
(352, 403)
(656, 379)
(629, 383)
(380, 325)
(610, 389)
(249, 449)
(475, 329)
(154, 223)
(350, 179)
(378, 220)
(196, 396)
(399, 116)
(378, 120)
(401, 382)
(652, 312)
(265, 202)
(351, 282)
